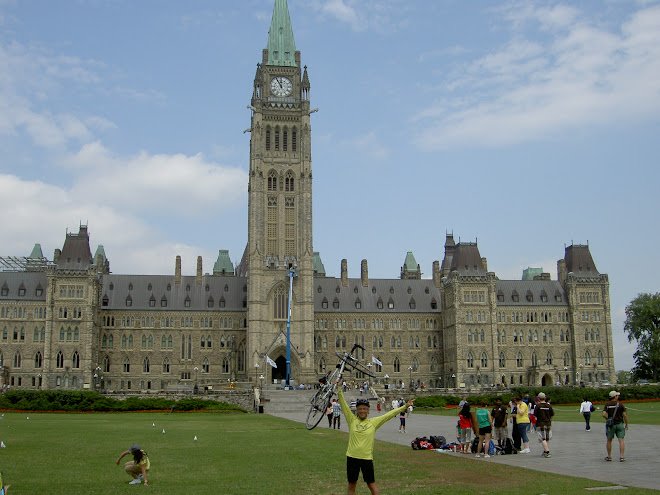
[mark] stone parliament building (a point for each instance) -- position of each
(71, 324)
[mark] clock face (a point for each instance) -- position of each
(281, 86)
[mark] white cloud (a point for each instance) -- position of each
(342, 12)
(581, 76)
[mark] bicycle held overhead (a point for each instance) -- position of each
(347, 361)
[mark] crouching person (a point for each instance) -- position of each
(138, 467)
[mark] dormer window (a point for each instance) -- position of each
(129, 301)
(130, 286)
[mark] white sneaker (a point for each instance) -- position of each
(486, 456)
(525, 451)
(478, 455)
(136, 481)
(140, 477)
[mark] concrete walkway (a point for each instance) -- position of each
(575, 452)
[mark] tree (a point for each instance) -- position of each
(643, 326)
(623, 377)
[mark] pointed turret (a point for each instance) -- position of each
(410, 269)
(223, 265)
(319, 269)
(36, 252)
(281, 45)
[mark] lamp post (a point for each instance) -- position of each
(261, 382)
(196, 369)
(412, 387)
(39, 381)
(256, 372)
(453, 380)
(580, 367)
(369, 365)
(387, 378)
(96, 377)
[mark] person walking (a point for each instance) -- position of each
(336, 414)
(465, 423)
(615, 416)
(328, 414)
(522, 420)
(499, 415)
(138, 467)
(361, 436)
(485, 422)
(515, 432)
(586, 408)
(402, 417)
(544, 414)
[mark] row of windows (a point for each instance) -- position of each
(520, 362)
(170, 322)
(584, 316)
(207, 288)
(165, 342)
(591, 334)
(72, 291)
(20, 312)
(480, 316)
(379, 304)
(589, 297)
(282, 144)
(531, 317)
(377, 323)
(38, 292)
(474, 296)
(546, 336)
(529, 297)
(377, 341)
(75, 313)
(38, 360)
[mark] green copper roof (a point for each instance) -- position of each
(530, 273)
(281, 46)
(101, 251)
(410, 263)
(36, 252)
(319, 269)
(223, 263)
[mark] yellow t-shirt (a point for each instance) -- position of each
(523, 413)
(361, 434)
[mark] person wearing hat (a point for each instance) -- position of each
(361, 436)
(138, 467)
(544, 414)
(615, 416)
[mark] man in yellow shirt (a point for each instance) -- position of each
(361, 436)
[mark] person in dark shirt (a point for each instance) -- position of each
(616, 412)
(499, 414)
(544, 414)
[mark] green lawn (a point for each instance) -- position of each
(57, 454)
(639, 413)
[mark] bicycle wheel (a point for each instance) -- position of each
(320, 403)
(314, 417)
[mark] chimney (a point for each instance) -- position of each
(198, 279)
(344, 273)
(56, 255)
(177, 271)
(364, 273)
(436, 273)
(485, 263)
(561, 271)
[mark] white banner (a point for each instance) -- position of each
(375, 361)
(271, 362)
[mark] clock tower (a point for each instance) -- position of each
(280, 209)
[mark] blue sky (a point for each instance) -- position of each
(526, 126)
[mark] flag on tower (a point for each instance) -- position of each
(271, 362)
(376, 361)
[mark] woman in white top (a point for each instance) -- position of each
(586, 408)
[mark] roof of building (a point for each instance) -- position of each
(28, 280)
(410, 263)
(99, 251)
(36, 252)
(530, 273)
(467, 260)
(281, 45)
(579, 261)
(401, 293)
(76, 254)
(141, 289)
(530, 293)
(223, 264)
(319, 269)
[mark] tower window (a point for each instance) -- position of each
(267, 139)
(272, 181)
(284, 140)
(277, 139)
(293, 140)
(288, 182)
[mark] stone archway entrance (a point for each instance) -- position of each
(279, 373)
(546, 381)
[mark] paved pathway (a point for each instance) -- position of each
(575, 452)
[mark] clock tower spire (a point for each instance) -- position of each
(280, 207)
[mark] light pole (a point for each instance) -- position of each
(39, 381)
(261, 382)
(412, 387)
(387, 378)
(196, 369)
(453, 380)
(576, 374)
(96, 377)
(256, 372)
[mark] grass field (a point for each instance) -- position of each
(639, 413)
(57, 454)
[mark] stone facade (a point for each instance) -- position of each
(72, 324)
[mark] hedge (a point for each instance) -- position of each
(557, 395)
(86, 401)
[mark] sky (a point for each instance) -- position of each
(523, 126)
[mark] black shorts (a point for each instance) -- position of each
(353, 467)
(402, 420)
(485, 430)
